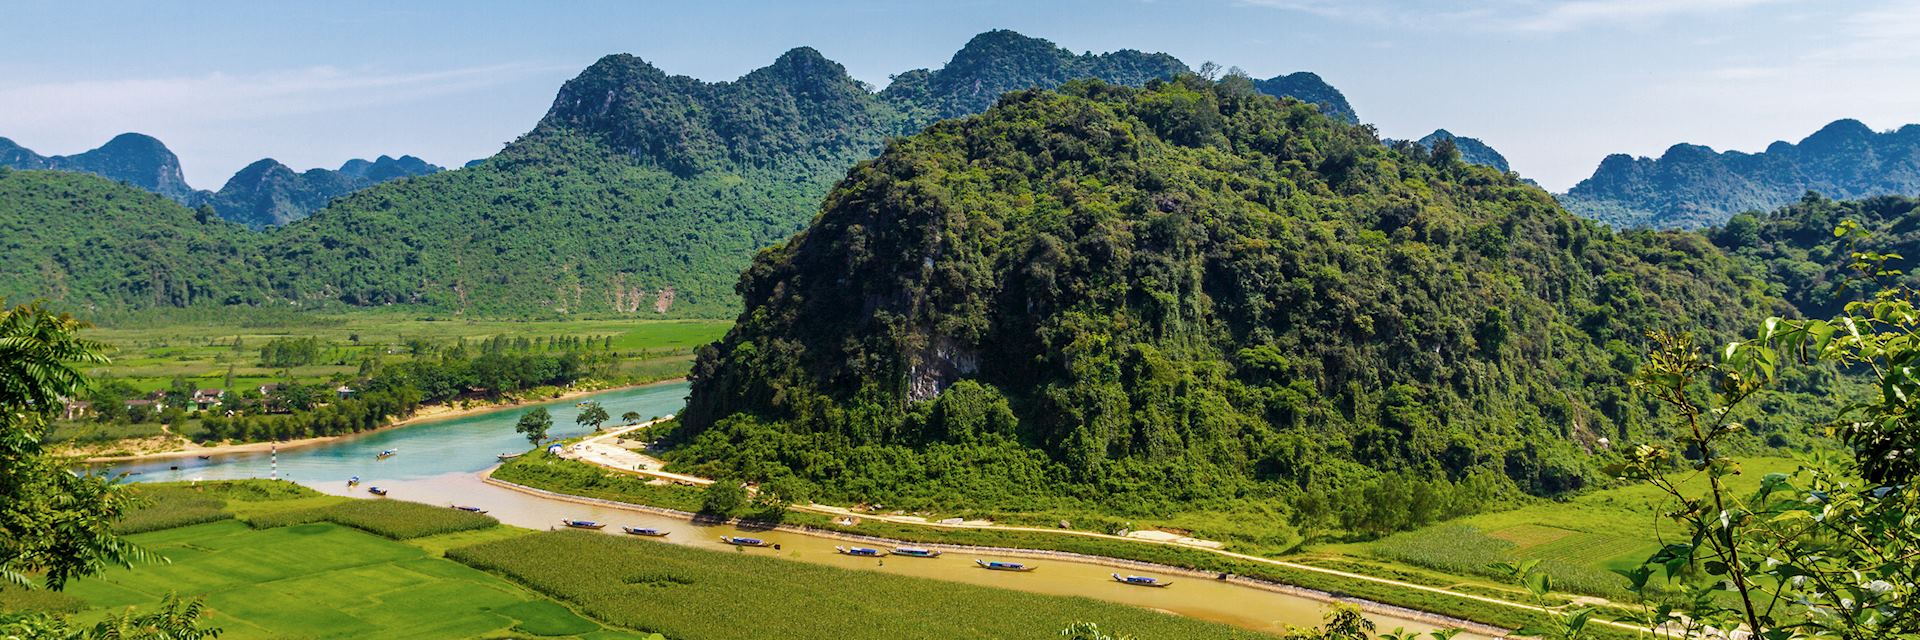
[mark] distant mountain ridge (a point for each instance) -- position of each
(132, 158)
(265, 193)
(1692, 186)
(268, 193)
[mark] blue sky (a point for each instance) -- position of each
(1554, 84)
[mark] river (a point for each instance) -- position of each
(440, 462)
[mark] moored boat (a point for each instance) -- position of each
(584, 524)
(469, 509)
(384, 455)
(1140, 581)
(997, 565)
(863, 552)
(745, 542)
(644, 531)
(377, 491)
(916, 552)
(507, 456)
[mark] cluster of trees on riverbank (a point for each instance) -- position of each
(398, 390)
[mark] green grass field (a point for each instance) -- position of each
(1579, 541)
(328, 581)
(149, 355)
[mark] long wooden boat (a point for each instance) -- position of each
(584, 524)
(377, 491)
(997, 565)
(644, 531)
(916, 552)
(864, 552)
(745, 542)
(1140, 581)
(469, 509)
(384, 454)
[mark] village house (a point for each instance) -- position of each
(205, 399)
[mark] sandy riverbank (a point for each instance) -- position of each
(429, 413)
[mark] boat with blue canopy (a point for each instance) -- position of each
(745, 542)
(997, 565)
(1140, 581)
(916, 552)
(864, 552)
(584, 524)
(644, 531)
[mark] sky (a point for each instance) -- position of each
(1555, 85)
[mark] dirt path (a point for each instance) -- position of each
(599, 451)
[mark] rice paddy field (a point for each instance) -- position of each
(317, 579)
(323, 580)
(695, 594)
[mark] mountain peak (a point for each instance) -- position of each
(1308, 87)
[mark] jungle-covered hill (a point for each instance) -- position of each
(1810, 265)
(92, 243)
(1191, 293)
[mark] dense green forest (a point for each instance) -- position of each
(639, 192)
(92, 243)
(1192, 294)
(1812, 266)
(1693, 187)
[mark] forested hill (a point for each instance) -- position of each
(1693, 187)
(646, 192)
(999, 61)
(1797, 248)
(91, 243)
(1186, 293)
(1307, 87)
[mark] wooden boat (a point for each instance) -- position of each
(1140, 581)
(997, 565)
(863, 552)
(469, 509)
(584, 524)
(745, 542)
(377, 491)
(204, 457)
(384, 455)
(916, 552)
(644, 531)
(507, 456)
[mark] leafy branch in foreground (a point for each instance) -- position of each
(1830, 551)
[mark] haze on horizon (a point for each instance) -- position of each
(1555, 85)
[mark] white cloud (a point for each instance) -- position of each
(218, 122)
(1538, 16)
(1567, 16)
(224, 97)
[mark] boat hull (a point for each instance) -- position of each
(644, 532)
